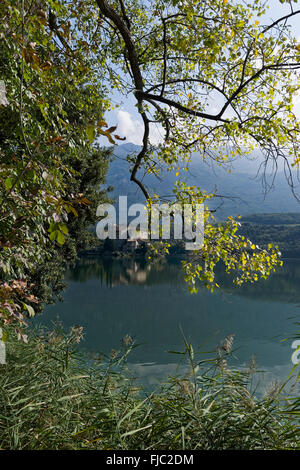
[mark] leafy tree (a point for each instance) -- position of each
(47, 277)
(219, 81)
(50, 170)
(180, 59)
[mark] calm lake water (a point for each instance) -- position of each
(111, 298)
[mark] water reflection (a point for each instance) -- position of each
(282, 286)
(112, 271)
(113, 297)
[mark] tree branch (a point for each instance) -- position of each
(180, 107)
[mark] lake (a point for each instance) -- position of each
(114, 297)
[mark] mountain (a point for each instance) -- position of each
(242, 188)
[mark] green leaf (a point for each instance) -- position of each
(3, 336)
(70, 397)
(9, 183)
(29, 309)
(53, 235)
(64, 228)
(60, 238)
(129, 433)
(90, 132)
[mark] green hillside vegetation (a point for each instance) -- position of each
(289, 218)
(280, 229)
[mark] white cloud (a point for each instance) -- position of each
(130, 128)
(133, 129)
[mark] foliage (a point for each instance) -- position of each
(219, 81)
(47, 277)
(50, 171)
(58, 63)
(51, 400)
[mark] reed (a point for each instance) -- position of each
(54, 397)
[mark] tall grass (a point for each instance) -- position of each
(51, 399)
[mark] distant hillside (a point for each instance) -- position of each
(242, 189)
(280, 229)
(273, 219)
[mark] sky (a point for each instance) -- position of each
(128, 120)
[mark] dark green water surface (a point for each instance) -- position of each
(111, 298)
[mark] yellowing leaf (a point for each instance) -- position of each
(90, 132)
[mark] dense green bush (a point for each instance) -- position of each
(51, 398)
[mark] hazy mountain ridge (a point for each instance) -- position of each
(242, 189)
